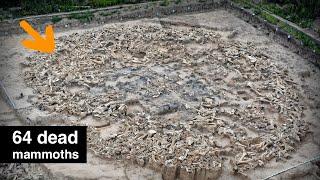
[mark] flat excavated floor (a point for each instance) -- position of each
(219, 100)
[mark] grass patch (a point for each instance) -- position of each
(165, 3)
(82, 17)
(305, 39)
(36, 7)
(108, 13)
(299, 14)
(104, 3)
(56, 19)
(177, 1)
(271, 19)
(302, 13)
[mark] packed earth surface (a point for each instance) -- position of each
(192, 96)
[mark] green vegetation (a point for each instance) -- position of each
(82, 17)
(307, 41)
(275, 8)
(302, 13)
(32, 7)
(271, 19)
(36, 7)
(165, 3)
(104, 3)
(108, 13)
(56, 19)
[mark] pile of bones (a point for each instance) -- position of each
(179, 97)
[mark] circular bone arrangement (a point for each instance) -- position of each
(176, 97)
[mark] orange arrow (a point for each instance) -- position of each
(45, 45)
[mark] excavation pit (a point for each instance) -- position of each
(185, 101)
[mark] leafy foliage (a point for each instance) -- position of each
(165, 3)
(301, 13)
(35, 7)
(82, 17)
(56, 19)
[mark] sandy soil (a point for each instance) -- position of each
(305, 77)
